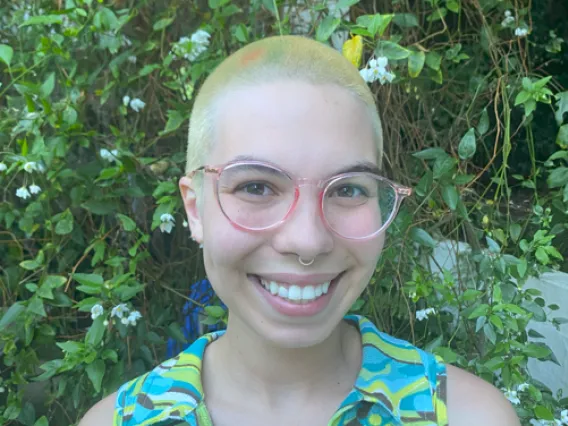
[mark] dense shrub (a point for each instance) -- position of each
(96, 262)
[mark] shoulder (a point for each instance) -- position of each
(101, 414)
(472, 401)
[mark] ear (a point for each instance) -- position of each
(189, 196)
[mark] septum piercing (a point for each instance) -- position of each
(305, 263)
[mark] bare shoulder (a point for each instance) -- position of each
(472, 401)
(101, 414)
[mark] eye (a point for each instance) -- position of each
(349, 191)
(255, 188)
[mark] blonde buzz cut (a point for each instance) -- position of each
(273, 59)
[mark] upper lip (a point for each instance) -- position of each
(299, 279)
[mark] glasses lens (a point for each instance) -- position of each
(255, 196)
(358, 205)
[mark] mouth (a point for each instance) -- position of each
(296, 299)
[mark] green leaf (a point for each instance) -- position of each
(54, 281)
(391, 50)
(93, 280)
(425, 184)
(42, 421)
(558, 177)
(515, 231)
(483, 125)
(480, 310)
(43, 20)
(6, 54)
(71, 347)
(433, 60)
(162, 23)
(422, 237)
(375, 23)
(467, 146)
(326, 28)
(544, 413)
(562, 137)
(215, 4)
(36, 306)
(463, 179)
(430, 154)
(148, 69)
(561, 106)
(174, 331)
(453, 5)
(438, 14)
(489, 333)
(450, 196)
(493, 245)
(215, 311)
(416, 63)
(95, 372)
(405, 20)
(127, 223)
(542, 256)
(47, 87)
(11, 315)
(65, 224)
(341, 4)
(522, 97)
(530, 106)
(96, 332)
(175, 120)
(100, 207)
(443, 166)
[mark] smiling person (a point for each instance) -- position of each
(285, 193)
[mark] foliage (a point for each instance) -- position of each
(95, 98)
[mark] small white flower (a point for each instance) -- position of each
(508, 13)
(3, 167)
(522, 387)
(126, 100)
(168, 223)
(30, 166)
(184, 224)
(132, 59)
(119, 311)
(2, 390)
(34, 189)
(423, 314)
(521, 32)
(109, 155)
(105, 323)
(124, 321)
(23, 193)
(366, 74)
(564, 416)
(200, 37)
(97, 311)
(133, 317)
(137, 104)
(512, 396)
(381, 62)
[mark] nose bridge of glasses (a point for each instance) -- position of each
(319, 183)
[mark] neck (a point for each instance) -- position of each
(253, 364)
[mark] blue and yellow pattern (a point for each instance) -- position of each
(398, 384)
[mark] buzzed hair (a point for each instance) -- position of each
(268, 60)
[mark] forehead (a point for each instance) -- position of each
(294, 124)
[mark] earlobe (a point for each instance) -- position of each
(189, 196)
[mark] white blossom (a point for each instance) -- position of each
(509, 19)
(119, 311)
(184, 224)
(126, 100)
(97, 311)
(423, 314)
(192, 48)
(2, 390)
(132, 59)
(168, 223)
(508, 14)
(564, 416)
(521, 32)
(3, 167)
(105, 323)
(133, 317)
(511, 395)
(522, 387)
(34, 189)
(137, 104)
(377, 70)
(30, 166)
(124, 321)
(23, 193)
(109, 155)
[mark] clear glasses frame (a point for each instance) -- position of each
(400, 191)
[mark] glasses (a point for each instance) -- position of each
(258, 196)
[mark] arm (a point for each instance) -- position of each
(101, 414)
(473, 402)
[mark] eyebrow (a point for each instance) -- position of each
(359, 166)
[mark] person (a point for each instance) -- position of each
(285, 193)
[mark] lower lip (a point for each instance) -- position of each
(295, 309)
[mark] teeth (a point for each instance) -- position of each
(294, 292)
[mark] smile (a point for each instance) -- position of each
(295, 293)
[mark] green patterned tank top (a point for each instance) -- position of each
(398, 384)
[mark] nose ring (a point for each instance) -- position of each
(304, 263)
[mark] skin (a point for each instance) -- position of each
(269, 368)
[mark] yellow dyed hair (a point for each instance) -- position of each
(267, 60)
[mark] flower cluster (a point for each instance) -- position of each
(192, 47)
(521, 32)
(125, 315)
(377, 70)
(136, 104)
(168, 223)
(107, 155)
(25, 193)
(509, 19)
(423, 314)
(97, 311)
(563, 421)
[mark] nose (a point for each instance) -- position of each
(304, 233)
